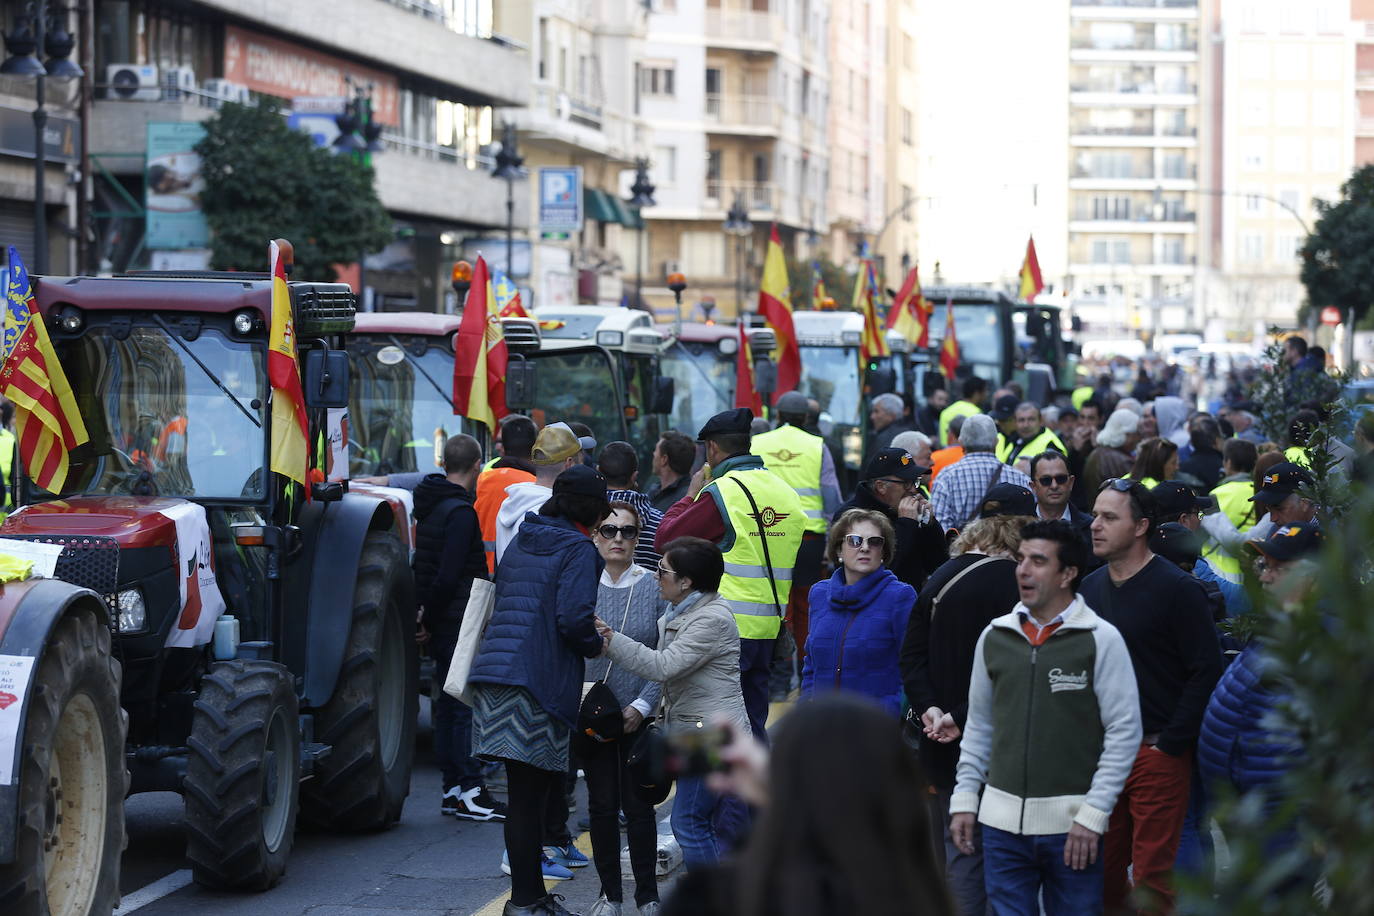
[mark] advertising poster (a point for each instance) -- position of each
(172, 186)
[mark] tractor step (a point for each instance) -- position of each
(311, 753)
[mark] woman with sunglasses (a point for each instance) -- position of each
(859, 615)
(628, 595)
(697, 661)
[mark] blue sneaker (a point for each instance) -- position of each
(552, 870)
(567, 856)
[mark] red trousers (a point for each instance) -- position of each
(1144, 832)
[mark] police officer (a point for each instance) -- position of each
(803, 462)
(734, 500)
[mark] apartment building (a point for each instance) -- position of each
(582, 55)
(735, 94)
(896, 247)
(1289, 135)
(433, 68)
(1362, 32)
(1135, 131)
(857, 124)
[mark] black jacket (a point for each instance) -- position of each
(920, 548)
(883, 438)
(448, 552)
(1204, 466)
(663, 497)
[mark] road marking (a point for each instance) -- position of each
(153, 892)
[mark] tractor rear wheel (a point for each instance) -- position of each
(243, 778)
(369, 722)
(72, 779)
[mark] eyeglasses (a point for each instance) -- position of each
(900, 483)
(1047, 480)
(856, 541)
(628, 532)
(662, 571)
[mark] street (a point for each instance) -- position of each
(427, 865)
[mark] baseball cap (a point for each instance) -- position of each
(1007, 499)
(1176, 543)
(1174, 497)
(1004, 408)
(727, 422)
(580, 480)
(1288, 542)
(893, 462)
(1282, 480)
(556, 442)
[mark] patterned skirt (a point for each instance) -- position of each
(509, 724)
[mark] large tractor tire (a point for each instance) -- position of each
(369, 722)
(242, 783)
(72, 779)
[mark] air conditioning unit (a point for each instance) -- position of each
(132, 83)
(178, 82)
(222, 90)
(671, 267)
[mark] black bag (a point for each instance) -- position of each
(644, 765)
(600, 717)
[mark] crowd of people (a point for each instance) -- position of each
(1031, 602)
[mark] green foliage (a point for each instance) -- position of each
(1338, 258)
(1278, 393)
(264, 180)
(838, 284)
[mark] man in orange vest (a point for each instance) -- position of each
(517, 435)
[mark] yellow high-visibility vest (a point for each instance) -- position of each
(1041, 443)
(796, 455)
(957, 409)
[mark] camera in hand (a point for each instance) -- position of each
(695, 752)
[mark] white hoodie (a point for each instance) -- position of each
(526, 496)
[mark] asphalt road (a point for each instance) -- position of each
(427, 865)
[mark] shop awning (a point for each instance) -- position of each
(600, 206)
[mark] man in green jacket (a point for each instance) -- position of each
(1053, 729)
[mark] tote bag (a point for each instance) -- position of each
(480, 602)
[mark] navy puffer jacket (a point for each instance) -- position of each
(542, 625)
(1241, 743)
(855, 637)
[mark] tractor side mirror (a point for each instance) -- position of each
(520, 383)
(881, 381)
(664, 392)
(326, 378)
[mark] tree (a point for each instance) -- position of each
(264, 180)
(1338, 257)
(838, 285)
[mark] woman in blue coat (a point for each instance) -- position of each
(859, 614)
(527, 676)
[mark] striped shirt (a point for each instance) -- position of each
(649, 517)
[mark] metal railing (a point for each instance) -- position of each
(1137, 174)
(757, 195)
(1087, 216)
(1141, 43)
(616, 127)
(1135, 88)
(437, 152)
(742, 25)
(444, 12)
(1134, 130)
(744, 110)
(1140, 4)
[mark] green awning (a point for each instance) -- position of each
(599, 206)
(632, 219)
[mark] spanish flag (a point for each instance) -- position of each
(290, 454)
(1031, 283)
(776, 308)
(911, 312)
(949, 347)
(480, 357)
(47, 422)
(873, 343)
(746, 395)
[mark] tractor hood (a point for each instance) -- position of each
(133, 521)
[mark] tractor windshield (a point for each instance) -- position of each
(578, 385)
(159, 424)
(402, 408)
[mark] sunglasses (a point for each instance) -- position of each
(628, 532)
(1122, 485)
(900, 483)
(856, 541)
(1051, 479)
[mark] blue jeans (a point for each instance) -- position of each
(452, 724)
(1019, 868)
(695, 812)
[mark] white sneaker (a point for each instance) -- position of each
(604, 907)
(477, 805)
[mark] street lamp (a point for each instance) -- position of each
(22, 44)
(737, 224)
(641, 196)
(508, 169)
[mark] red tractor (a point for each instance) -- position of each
(265, 635)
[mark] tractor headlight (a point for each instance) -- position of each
(133, 615)
(853, 443)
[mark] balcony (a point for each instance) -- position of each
(441, 182)
(758, 196)
(578, 124)
(1364, 127)
(1139, 4)
(743, 114)
(1136, 136)
(743, 30)
(1141, 43)
(1135, 10)
(1174, 222)
(1364, 79)
(447, 15)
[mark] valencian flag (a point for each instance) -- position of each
(480, 358)
(818, 292)
(746, 395)
(1031, 283)
(776, 308)
(47, 422)
(911, 312)
(949, 347)
(873, 343)
(508, 304)
(290, 432)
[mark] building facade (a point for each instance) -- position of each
(858, 125)
(896, 247)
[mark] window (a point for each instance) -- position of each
(1326, 109)
(1171, 251)
(1286, 247)
(543, 47)
(656, 79)
(1176, 165)
(1252, 246)
(1289, 198)
(1254, 109)
(1290, 107)
(907, 128)
(1291, 63)
(1111, 251)
(1292, 18)
(1290, 154)
(1326, 155)
(1118, 208)
(908, 52)
(1252, 204)
(665, 164)
(908, 195)
(703, 253)
(1254, 61)
(1254, 154)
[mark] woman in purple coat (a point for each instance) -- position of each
(859, 615)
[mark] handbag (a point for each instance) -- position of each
(481, 600)
(644, 765)
(601, 716)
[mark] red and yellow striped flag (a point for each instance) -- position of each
(1031, 282)
(775, 305)
(47, 422)
(480, 354)
(949, 347)
(911, 312)
(290, 444)
(746, 395)
(874, 342)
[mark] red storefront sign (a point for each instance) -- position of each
(280, 68)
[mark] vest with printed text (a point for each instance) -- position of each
(795, 455)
